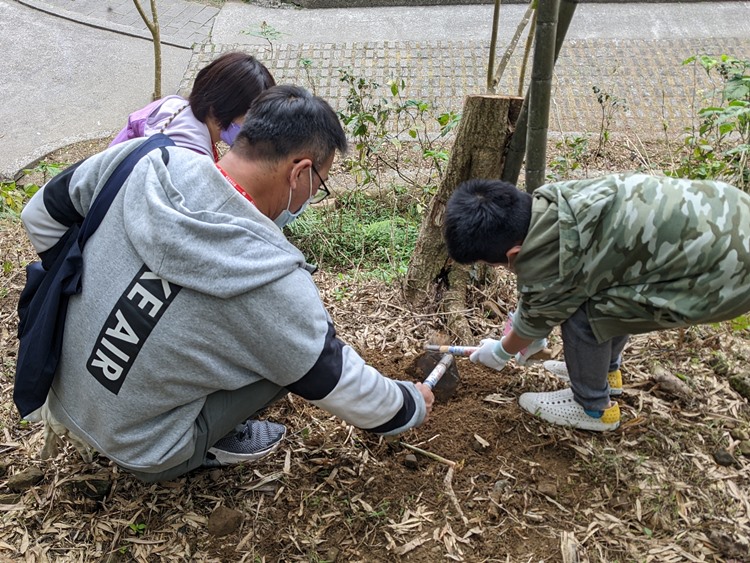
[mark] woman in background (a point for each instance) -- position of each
(221, 95)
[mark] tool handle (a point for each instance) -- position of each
(455, 350)
(438, 371)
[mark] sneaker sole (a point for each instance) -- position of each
(228, 458)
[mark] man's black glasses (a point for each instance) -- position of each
(323, 191)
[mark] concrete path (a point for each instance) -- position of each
(64, 82)
(78, 74)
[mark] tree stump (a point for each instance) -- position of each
(478, 151)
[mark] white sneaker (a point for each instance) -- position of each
(557, 368)
(560, 370)
(559, 407)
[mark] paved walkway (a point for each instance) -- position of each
(631, 52)
(181, 23)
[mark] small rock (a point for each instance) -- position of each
(744, 447)
(25, 479)
(724, 458)
(224, 521)
(410, 461)
(547, 488)
(741, 384)
(332, 555)
(498, 489)
(95, 487)
(670, 383)
(740, 435)
(479, 444)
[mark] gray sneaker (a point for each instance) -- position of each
(249, 441)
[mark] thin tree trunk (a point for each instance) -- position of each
(526, 51)
(153, 27)
(540, 92)
(517, 145)
(493, 46)
(156, 32)
(512, 46)
(485, 127)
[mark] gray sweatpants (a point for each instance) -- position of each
(589, 361)
(222, 412)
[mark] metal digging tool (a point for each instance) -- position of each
(438, 371)
(442, 374)
(423, 365)
(436, 364)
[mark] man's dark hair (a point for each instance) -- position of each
(285, 120)
(484, 219)
(227, 86)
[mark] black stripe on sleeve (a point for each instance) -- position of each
(325, 374)
(401, 418)
(57, 197)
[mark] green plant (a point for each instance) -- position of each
(609, 105)
(381, 511)
(306, 65)
(13, 196)
(719, 147)
(364, 232)
(15, 193)
(574, 153)
(264, 31)
(738, 324)
(137, 529)
(381, 126)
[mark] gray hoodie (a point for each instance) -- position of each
(188, 289)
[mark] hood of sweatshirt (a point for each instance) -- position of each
(178, 121)
(192, 228)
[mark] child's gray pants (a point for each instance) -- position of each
(589, 361)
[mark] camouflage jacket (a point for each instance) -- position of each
(640, 252)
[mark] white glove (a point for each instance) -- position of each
(491, 354)
(523, 356)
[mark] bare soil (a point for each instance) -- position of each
(490, 482)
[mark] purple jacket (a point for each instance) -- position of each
(173, 114)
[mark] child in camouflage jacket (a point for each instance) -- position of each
(603, 258)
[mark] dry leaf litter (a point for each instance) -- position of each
(483, 480)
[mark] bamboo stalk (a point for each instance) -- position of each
(517, 145)
(540, 93)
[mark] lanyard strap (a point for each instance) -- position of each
(235, 185)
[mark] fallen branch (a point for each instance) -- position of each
(431, 455)
(449, 491)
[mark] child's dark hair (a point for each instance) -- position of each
(227, 86)
(484, 219)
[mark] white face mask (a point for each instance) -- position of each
(286, 216)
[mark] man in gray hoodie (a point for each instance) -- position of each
(196, 312)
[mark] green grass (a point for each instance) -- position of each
(372, 235)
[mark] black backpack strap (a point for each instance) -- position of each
(106, 196)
